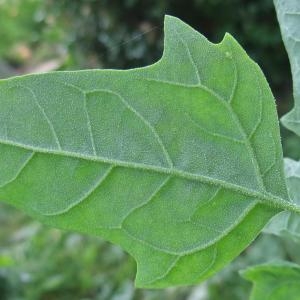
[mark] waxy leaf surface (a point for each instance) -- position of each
(288, 14)
(274, 281)
(180, 162)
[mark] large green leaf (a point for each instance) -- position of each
(180, 162)
(288, 13)
(274, 281)
(288, 223)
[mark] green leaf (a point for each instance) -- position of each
(288, 222)
(288, 14)
(274, 281)
(180, 162)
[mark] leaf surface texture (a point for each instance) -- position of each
(288, 223)
(179, 162)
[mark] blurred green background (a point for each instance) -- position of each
(37, 262)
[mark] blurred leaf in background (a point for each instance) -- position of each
(29, 37)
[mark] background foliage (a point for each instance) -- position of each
(36, 35)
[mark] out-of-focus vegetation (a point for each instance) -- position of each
(44, 35)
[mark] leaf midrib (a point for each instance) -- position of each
(262, 197)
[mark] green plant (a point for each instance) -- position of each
(150, 158)
(274, 281)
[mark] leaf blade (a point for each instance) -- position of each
(149, 158)
(288, 14)
(275, 280)
(288, 222)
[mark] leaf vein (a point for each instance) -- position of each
(217, 135)
(166, 273)
(99, 180)
(89, 126)
(196, 248)
(49, 122)
(214, 195)
(152, 129)
(189, 56)
(259, 122)
(147, 201)
(22, 167)
(243, 133)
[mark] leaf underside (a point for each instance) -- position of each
(175, 162)
(288, 14)
(288, 223)
(274, 281)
